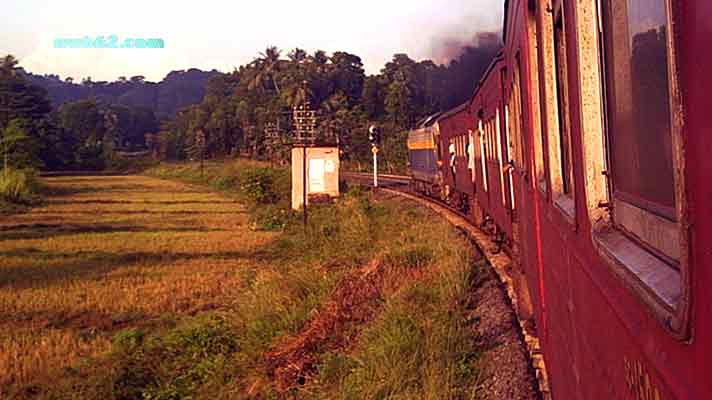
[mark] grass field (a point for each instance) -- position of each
(111, 252)
(140, 288)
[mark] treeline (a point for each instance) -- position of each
(177, 90)
(247, 111)
(241, 108)
(82, 135)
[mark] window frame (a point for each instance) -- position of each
(652, 227)
(500, 156)
(530, 70)
(662, 285)
(561, 165)
(471, 153)
(483, 154)
(510, 163)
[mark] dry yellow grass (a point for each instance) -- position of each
(105, 253)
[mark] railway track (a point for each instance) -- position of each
(500, 262)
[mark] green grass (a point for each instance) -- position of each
(265, 190)
(19, 187)
(419, 346)
(251, 299)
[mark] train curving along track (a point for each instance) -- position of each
(499, 261)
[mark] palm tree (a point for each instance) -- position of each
(8, 66)
(297, 55)
(297, 94)
(268, 66)
(320, 58)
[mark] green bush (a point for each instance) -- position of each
(170, 365)
(224, 182)
(258, 185)
(19, 186)
(271, 217)
(127, 338)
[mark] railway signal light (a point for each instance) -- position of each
(374, 135)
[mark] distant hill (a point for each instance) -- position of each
(177, 90)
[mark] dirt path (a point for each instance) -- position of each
(108, 252)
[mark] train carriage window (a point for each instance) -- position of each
(465, 151)
(529, 71)
(510, 163)
(562, 173)
(462, 146)
(500, 157)
(483, 154)
(521, 140)
(471, 153)
(490, 142)
(631, 102)
(639, 124)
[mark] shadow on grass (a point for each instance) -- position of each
(50, 268)
(54, 190)
(47, 231)
(90, 322)
(112, 212)
(166, 202)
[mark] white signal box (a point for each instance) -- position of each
(322, 173)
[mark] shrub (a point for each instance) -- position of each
(258, 185)
(206, 337)
(127, 338)
(224, 182)
(171, 365)
(19, 186)
(271, 217)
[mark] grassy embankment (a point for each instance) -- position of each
(123, 288)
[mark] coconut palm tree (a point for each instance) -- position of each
(268, 65)
(297, 55)
(8, 66)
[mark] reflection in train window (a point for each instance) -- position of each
(639, 124)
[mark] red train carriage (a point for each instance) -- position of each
(612, 185)
(590, 156)
(457, 152)
(495, 198)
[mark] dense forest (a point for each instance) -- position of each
(238, 107)
(177, 90)
(52, 124)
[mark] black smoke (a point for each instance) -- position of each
(464, 63)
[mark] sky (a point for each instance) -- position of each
(225, 34)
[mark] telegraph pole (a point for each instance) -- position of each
(305, 124)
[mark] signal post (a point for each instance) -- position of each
(374, 137)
